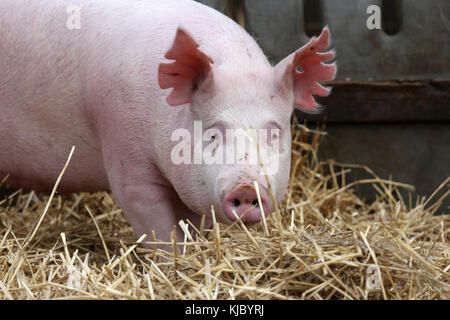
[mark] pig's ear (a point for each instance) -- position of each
(305, 83)
(190, 68)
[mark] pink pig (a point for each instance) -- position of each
(118, 88)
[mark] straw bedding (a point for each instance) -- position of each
(322, 242)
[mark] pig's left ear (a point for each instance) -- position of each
(306, 83)
(184, 75)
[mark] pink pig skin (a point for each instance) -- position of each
(117, 89)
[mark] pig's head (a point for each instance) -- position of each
(243, 111)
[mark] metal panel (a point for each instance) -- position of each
(412, 153)
(219, 5)
(386, 101)
(420, 50)
(277, 26)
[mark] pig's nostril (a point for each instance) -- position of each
(243, 201)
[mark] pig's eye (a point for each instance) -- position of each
(275, 136)
(273, 133)
(214, 134)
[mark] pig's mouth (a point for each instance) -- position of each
(243, 202)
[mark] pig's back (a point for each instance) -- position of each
(50, 75)
(41, 95)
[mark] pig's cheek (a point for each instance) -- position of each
(203, 183)
(283, 146)
(272, 160)
(283, 175)
(221, 186)
(225, 181)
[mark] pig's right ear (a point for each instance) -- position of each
(184, 75)
(305, 83)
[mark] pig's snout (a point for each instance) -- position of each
(244, 201)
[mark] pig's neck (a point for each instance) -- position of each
(176, 118)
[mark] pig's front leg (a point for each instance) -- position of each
(147, 199)
(153, 206)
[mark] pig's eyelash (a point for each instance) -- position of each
(220, 125)
(274, 125)
(275, 131)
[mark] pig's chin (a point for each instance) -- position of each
(220, 217)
